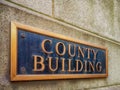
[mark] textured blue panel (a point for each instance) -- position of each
(29, 44)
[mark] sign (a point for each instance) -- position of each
(42, 55)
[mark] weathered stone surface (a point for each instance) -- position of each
(117, 18)
(77, 12)
(116, 87)
(8, 14)
(44, 6)
(94, 15)
(103, 17)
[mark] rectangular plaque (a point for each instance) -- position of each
(42, 55)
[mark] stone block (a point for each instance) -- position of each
(43, 6)
(117, 18)
(95, 16)
(76, 12)
(116, 87)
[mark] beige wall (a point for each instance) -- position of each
(94, 21)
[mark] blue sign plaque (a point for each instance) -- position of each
(43, 55)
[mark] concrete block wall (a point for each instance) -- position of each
(93, 21)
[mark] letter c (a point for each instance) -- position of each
(43, 46)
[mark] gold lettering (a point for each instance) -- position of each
(43, 46)
(69, 50)
(38, 63)
(81, 65)
(57, 48)
(85, 66)
(80, 51)
(95, 54)
(50, 64)
(91, 67)
(88, 49)
(69, 66)
(99, 66)
(63, 64)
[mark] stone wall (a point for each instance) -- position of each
(93, 21)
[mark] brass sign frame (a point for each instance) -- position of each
(14, 36)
